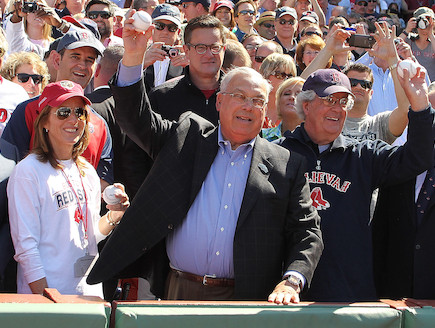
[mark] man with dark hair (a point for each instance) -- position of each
(102, 12)
(286, 25)
(244, 15)
(204, 42)
(195, 8)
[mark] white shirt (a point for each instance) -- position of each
(160, 71)
(11, 94)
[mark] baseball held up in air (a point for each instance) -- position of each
(109, 195)
(142, 21)
(409, 65)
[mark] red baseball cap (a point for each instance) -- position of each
(223, 3)
(56, 93)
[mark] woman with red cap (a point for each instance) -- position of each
(55, 196)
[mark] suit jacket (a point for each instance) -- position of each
(173, 71)
(404, 252)
(277, 228)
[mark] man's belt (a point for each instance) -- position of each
(207, 280)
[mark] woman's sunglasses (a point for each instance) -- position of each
(63, 113)
(24, 77)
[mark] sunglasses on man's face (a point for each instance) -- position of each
(365, 84)
(24, 77)
(259, 59)
(247, 12)
(268, 25)
(362, 3)
(161, 26)
(284, 22)
(102, 14)
(63, 113)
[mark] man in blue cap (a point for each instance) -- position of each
(343, 173)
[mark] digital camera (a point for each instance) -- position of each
(172, 52)
(29, 7)
(422, 22)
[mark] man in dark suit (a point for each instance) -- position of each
(231, 211)
(403, 237)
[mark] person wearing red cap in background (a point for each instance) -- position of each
(343, 173)
(223, 10)
(54, 199)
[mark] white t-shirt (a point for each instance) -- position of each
(11, 94)
(47, 239)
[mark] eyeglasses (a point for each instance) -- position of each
(256, 102)
(311, 53)
(95, 14)
(310, 33)
(202, 48)
(63, 113)
(252, 47)
(161, 26)
(187, 4)
(365, 84)
(362, 3)
(281, 75)
(372, 1)
(330, 101)
(283, 22)
(246, 12)
(259, 59)
(24, 77)
(268, 25)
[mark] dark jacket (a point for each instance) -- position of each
(183, 151)
(342, 180)
(173, 98)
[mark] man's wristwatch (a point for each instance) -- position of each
(294, 281)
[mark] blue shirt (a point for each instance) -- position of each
(203, 243)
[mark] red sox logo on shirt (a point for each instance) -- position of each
(3, 115)
(332, 180)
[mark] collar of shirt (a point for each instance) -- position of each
(225, 146)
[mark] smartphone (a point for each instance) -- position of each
(361, 41)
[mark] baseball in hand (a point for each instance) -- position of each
(409, 65)
(142, 21)
(109, 195)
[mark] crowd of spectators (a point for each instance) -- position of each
(88, 101)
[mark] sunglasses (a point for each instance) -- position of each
(63, 113)
(24, 77)
(95, 14)
(161, 26)
(362, 3)
(268, 25)
(284, 22)
(259, 59)
(310, 33)
(363, 83)
(281, 75)
(247, 12)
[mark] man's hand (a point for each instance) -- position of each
(415, 89)
(135, 43)
(284, 293)
(336, 40)
(385, 48)
(154, 53)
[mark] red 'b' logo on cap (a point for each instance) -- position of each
(335, 78)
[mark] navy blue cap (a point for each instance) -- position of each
(80, 38)
(282, 11)
(325, 82)
(168, 12)
(205, 3)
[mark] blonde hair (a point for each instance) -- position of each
(277, 61)
(15, 60)
(291, 82)
(42, 147)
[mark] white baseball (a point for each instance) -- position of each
(409, 65)
(142, 20)
(109, 195)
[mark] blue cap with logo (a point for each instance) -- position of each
(168, 12)
(80, 38)
(325, 82)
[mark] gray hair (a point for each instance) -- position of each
(303, 97)
(253, 76)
